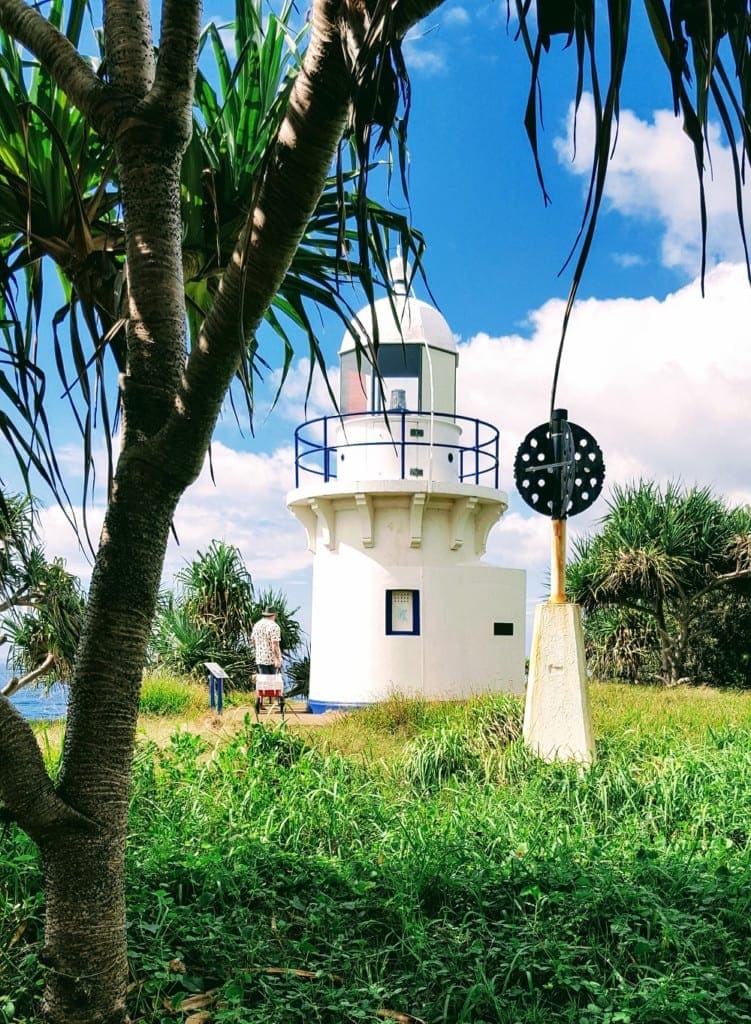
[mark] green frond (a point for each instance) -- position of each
(693, 38)
(60, 213)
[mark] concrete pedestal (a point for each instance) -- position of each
(557, 718)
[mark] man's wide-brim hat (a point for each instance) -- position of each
(269, 611)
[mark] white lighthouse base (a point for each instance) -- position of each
(557, 717)
(459, 651)
(401, 601)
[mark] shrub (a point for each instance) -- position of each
(165, 694)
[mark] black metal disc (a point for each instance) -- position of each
(564, 483)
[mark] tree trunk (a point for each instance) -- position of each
(85, 947)
(147, 115)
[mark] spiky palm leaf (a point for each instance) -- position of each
(59, 209)
(292, 634)
(212, 615)
(57, 204)
(41, 603)
(180, 642)
(236, 123)
(217, 589)
(704, 45)
(661, 554)
(43, 642)
(621, 644)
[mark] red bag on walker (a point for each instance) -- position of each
(269, 685)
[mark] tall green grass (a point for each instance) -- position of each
(461, 880)
(164, 694)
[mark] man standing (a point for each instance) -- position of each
(267, 640)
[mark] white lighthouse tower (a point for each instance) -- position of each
(397, 495)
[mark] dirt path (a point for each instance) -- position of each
(216, 728)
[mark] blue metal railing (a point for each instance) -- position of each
(478, 461)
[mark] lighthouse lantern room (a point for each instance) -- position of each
(397, 494)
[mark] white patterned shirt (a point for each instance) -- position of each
(264, 634)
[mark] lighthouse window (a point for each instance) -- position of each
(356, 383)
(402, 612)
(399, 366)
(503, 629)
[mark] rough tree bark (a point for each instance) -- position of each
(170, 407)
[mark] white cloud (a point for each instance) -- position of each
(226, 32)
(628, 259)
(245, 507)
(419, 56)
(302, 398)
(456, 16)
(60, 540)
(652, 177)
(662, 385)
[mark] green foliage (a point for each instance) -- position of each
(297, 671)
(720, 651)
(621, 643)
(292, 634)
(274, 879)
(212, 615)
(665, 587)
(178, 642)
(464, 748)
(42, 602)
(163, 694)
(58, 204)
(438, 757)
(60, 212)
(217, 591)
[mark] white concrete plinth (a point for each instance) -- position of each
(557, 718)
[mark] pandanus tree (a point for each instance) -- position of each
(41, 603)
(661, 565)
(106, 150)
(211, 614)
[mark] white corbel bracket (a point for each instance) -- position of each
(417, 508)
(307, 517)
(463, 510)
(486, 518)
(364, 505)
(324, 511)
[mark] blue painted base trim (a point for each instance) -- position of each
(320, 707)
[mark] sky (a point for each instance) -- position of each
(658, 374)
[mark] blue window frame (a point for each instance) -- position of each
(402, 612)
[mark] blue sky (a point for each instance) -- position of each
(657, 374)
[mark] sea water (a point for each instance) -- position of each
(34, 702)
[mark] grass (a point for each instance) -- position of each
(166, 695)
(416, 859)
(690, 712)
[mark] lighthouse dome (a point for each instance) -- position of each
(415, 320)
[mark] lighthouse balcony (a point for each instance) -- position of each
(400, 445)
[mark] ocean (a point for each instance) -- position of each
(34, 703)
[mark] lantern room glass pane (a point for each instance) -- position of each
(356, 384)
(438, 381)
(399, 366)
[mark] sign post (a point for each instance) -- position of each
(559, 472)
(217, 675)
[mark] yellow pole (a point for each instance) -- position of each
(558, 563)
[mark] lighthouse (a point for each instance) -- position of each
(398, 494)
